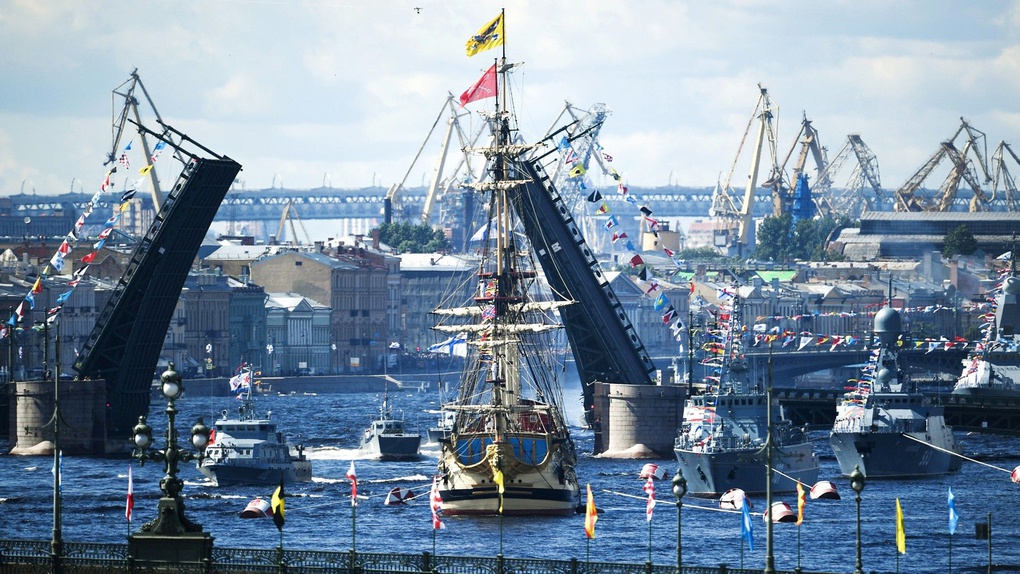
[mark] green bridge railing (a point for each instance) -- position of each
(34, 557)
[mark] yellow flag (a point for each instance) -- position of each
(901, 535)
(277, 504)
(497, 477)
(590, 515)
(800, 503)
(490, 36)
(145, 170)
(124, 206)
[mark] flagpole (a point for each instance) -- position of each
(354, 522)
(649, 541)
(950, 553)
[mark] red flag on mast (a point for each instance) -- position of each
(130, 496)
(485, 87)
(351, 476)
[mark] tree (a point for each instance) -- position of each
(408, 238)
(959, 241)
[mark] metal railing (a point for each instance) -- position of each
(34, 557)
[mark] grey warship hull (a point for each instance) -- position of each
(712, 474)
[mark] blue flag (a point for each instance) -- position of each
(746, 526)
(954, 517)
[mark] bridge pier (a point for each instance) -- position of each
(637, 421)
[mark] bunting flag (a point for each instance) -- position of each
(901, 535)
(953, 516)
(578, 170)
(436, 503)
(277, 505)
(594, 196)
(746, 526)
(489, 36)
(801, 500)
(353, 477)
(145, 170)
(591, 515)
(650, 505)
(131, 496)
(485, 87)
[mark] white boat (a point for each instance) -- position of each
(387, 439)
(248, 449)
(509, 450)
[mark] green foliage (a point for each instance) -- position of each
(408, 238)
(781, 240)
(959, 241)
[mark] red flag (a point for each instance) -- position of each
(351, 476)
(485, 87)
(436, 502)
(89, 258)
(130, 496)
(650, 490)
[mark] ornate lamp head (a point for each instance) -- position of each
(679, 485)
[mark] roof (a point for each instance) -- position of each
(435, 262)
(782, 276)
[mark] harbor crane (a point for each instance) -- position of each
(441, 183)
(1003, 179)
(850, 200)
(579, 146)
(733, 214)
(130, 113)
(909, 196)
(805, 197)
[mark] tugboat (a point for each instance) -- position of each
(723, 441)
(249, 449)
(884, 425)
(993, 369)
(386, 439)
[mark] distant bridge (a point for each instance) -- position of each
(52, 215)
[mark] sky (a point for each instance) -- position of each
(306, 94)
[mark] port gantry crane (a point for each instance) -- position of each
(803, 204)
(582, 134)
(1003, 179)
(130, 113)
(909, 196)
(850, 200)
(441, 184)
(734, 216)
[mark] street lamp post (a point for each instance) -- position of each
(857, 484)
(679, 490)
(170, 536)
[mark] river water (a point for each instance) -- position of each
(319, 514)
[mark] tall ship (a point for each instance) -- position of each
(993, 367)
(727, 430)
(509, 450)
(248, 449)
(884, 426)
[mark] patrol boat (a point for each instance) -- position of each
(884, 426)
(249, 450)
(386, 439)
